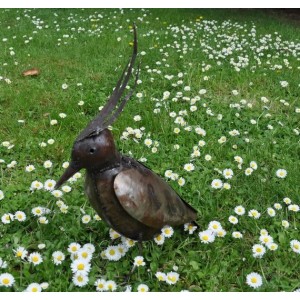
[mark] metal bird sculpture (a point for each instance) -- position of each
(127, 195)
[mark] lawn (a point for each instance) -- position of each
(215, 113)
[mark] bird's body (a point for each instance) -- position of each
(133, 200)
(128, 196)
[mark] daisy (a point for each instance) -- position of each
(49, 184)
(239, 210)
(221, 233)
(227, 173)
(81, 265)
(207, 236)
(29, 168)
(43, 220)
(148, 142)
(100, 285)
(66, 189)
(253, 213)
(272, 246)
(35, 258)
(295, 245)
(248, 171)
(20, 252)
(159, 239)
(287, 200)
(285, 223)
(57, 193)
(181, 181)
(161, 276)
(172, 277)
(271, 212)
(189, 167)
(128, 242)
(36, 185)
(214, 226)
(226, 186)
(74, 247)
(80, 279)
(112, 253)
(110, 285)
(266, 239)
(253, 165)
(6, 280)
(293, 207)
(217, 184)
(277, 206)
(168, 173)
(47, 164)
(58, 257)
(233, 220)
(258, 250)
(7, 218)
(3, 264)
(86, 219)
(113, 234)
(122, 249)
(254, 280)
(89, 247)
(20, 216)
(44, 285)
(34, 287)
(139, 261)
(37, 211)
(281, 173)
(1, 195)
(264, 232)
(237, 235)
(238, 159)
(143, 288)
(167, 231)
(190, 228)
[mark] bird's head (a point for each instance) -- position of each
(92, 153)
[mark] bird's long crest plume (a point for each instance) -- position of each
(107, 115)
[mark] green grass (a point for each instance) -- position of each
(95, 58)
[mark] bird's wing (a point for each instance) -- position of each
(150, 200)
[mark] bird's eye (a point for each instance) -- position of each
(92, 150)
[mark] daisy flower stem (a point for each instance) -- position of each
(262, 271)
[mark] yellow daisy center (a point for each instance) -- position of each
(59, 257)
(112, 252)
(297, 246)
(205, 238)
(34, 289)
(258, 250)
(253, 280)
(35, 259)
(215, 226)
(5, 281)
(74, 248)
(100, 285)
(80, 278)
(80, 267)
(84, 254)
(19, 254)
(38, 211)
(143, 289)
(158, 237)
(167, 231)
(110, 286)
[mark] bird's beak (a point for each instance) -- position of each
(70, 171)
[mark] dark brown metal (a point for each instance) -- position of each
(128, 196)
